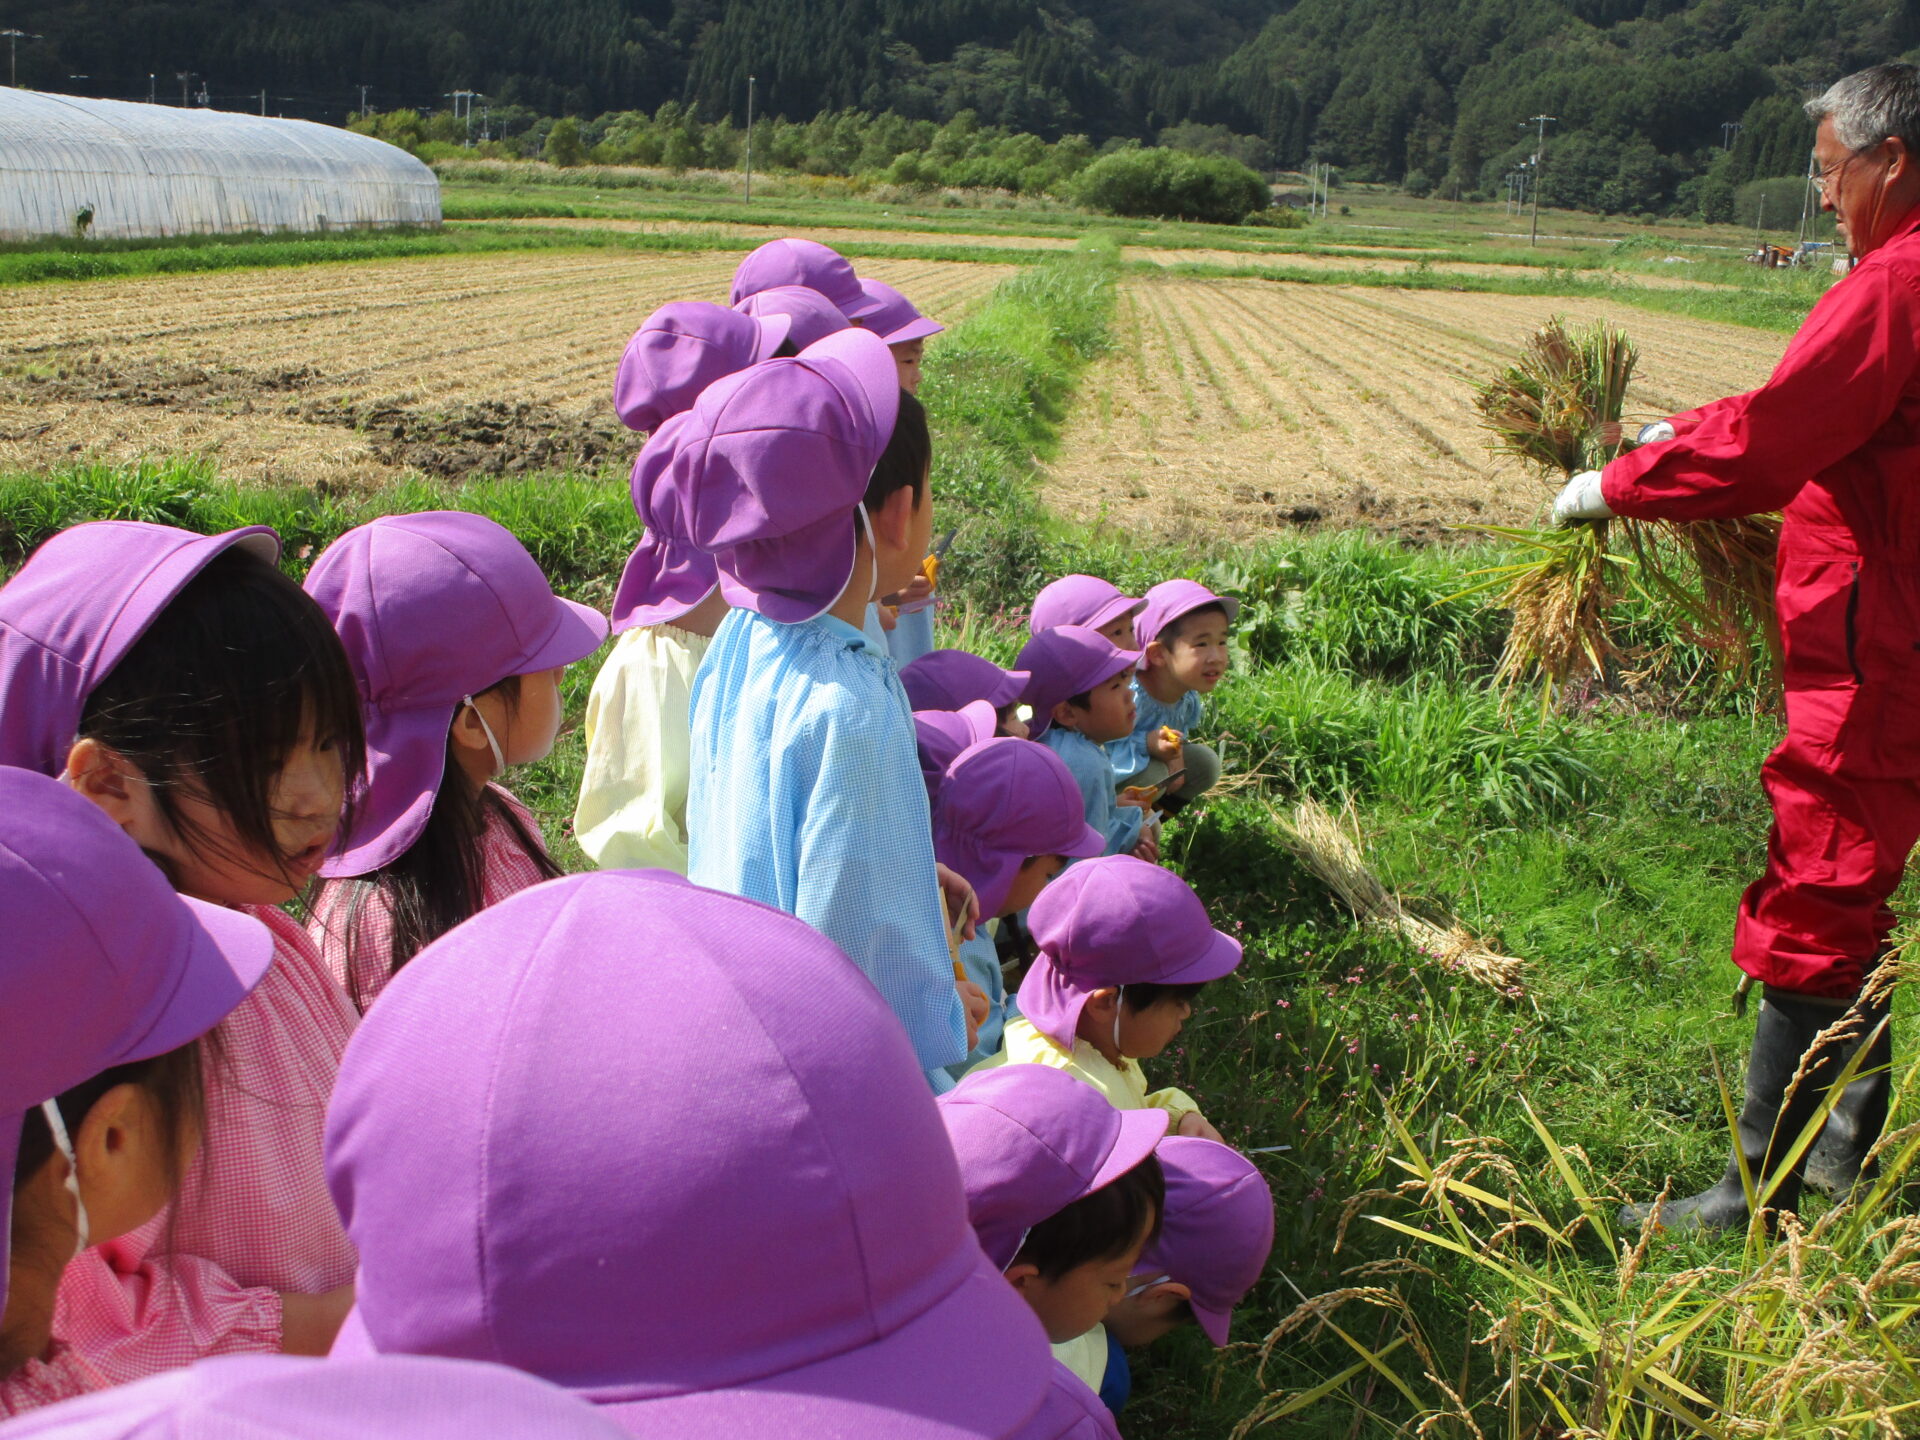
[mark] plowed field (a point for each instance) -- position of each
(1227, 406)
(356, 373)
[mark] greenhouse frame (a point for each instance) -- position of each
(112, 170)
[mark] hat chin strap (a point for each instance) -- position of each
(499, 759)
(58, 1125)
(873, 550)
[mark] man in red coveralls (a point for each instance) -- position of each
(1833, 441)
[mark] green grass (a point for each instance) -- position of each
(1607, 847)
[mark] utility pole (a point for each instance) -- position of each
(263, 102)
(183, 76)
(750, 84)
(1729, 132)
(14, 37)
(1539, 149)
(363, 98)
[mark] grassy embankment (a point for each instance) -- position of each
(1607, 847)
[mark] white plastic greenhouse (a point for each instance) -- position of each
(112, 170)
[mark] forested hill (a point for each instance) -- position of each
(1431, 88)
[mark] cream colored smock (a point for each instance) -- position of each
(1124, 1085)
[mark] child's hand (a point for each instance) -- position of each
(975, 999)
(963, 906)
(1194, 1124)
(919, 588)
(889, 616)
(1163, 744)
(1149, 847)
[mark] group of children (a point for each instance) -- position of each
(643, 1134)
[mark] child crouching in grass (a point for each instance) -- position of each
(1080, 691)
(1183, 656)
(1124, 948)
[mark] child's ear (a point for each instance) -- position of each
(893, 521)
(1156, 653)
(1021, 1275)
(106, 778)
(467, 733)
(1168, 1292)
(1065, 716)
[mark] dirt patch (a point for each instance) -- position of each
(1229, 407)
(1326, 261)
(358, 374)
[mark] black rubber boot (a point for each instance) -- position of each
(1785, 1031)
(1839, 1158)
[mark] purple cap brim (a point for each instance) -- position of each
(1217, 1324)
(662, 582)
(1222, 957)
(913, 330)
(1113, 610)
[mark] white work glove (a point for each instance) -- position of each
(1655, 432)
(1581, 500)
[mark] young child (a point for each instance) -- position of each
(458, 644)
(1124, 948)
(665, 1147)
(1183, 645)
(807, 481)
(903, 327)
(1089, 601)
(196, 694)
(940, 736)
(1064, 1192)
(949, 679)
(808, 264)
(810, 315)
(1006, 817)
(101, 1010)
(632, 812)
(1081, 693)
(1215, 1235)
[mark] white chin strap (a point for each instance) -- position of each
(55, 1123)
(1119, 999)
(499, 760)
(873, 551)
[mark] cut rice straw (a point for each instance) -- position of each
(1329, 846)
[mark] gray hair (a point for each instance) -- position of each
(1873, 105)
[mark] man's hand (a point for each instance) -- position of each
(1581, 500)
(1195, 1124)
(963, 906)
(975, 999)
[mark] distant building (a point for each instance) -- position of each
(109, 170)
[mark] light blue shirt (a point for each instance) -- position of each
(805, 794)
(1093, 773)
(980, 957)
(1129, 755)
(911, 636)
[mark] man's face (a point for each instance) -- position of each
(1852, 186)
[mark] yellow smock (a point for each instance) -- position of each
(1124, 1085)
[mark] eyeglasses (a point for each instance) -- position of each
(1831, 173)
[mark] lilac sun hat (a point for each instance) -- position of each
(276, 1397)
(666, 576)
(532, 1141)
(1002, 801)
(76, 608)
(682, 348)
(940, 735)
(432, 608)
(897, 320)
(1169, 600)
(105, 963)
(805, 263)
(1116, 921)
(1065, 661)
(948, 679)
(810, 316)
(1031, 1140)
(773, 463)
(1080, 600)
(1216, 1230)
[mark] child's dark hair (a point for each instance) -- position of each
(172, 1080)
(437, 882)
(908, 454)
(1144, 994)
(1082, 701)
(1101, 1226)
(1180, 624)
(238, 668)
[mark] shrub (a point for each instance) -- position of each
(1160, 182)
(564, 147)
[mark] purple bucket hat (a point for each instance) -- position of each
(1002, 801)
(75, 609)
(805, 263)
(1031, 1140)
(105, 963)
(948, 679)
(432, 607)
(897, 320)
(940, 736)
(771, 1120)
(275, 1397)
(1065, 661)
(681, 349)
(1169, 600)
(1080, 600)
(1216, 1231)
(666, 576)
(772, 464)
(810, 316)
(1116, 921)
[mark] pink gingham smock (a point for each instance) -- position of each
(506, 868)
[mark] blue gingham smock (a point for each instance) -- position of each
(1093, 773)
(805, 794)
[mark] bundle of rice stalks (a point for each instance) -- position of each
(1329, 846)
(1558, 406)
